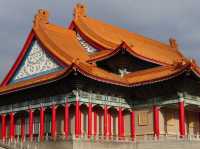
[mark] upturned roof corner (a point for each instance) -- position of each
(42, 17)
(80, 10)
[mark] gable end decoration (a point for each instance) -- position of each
(36, 62)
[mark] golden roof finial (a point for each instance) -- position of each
(80, 10)
(173, 43)
(42, 17)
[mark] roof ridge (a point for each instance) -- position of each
(110, 37)
(140, 36)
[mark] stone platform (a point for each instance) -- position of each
(104, 144)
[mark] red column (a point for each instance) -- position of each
(12, 133)
(3, 126)
(105, 121)
(95, 123)
(31, 115)
(66, 120)
(156, 121)
(109, 125)
(53, 122)
(120, 123)
(42, 109)
(181, 119)
(79, 122)
(77, 116)
(13, 127)
(133, 125)
(22, 127)
(89, 120)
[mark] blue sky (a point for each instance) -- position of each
(157, 19)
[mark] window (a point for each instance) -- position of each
(143, 118)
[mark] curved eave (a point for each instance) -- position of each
(129, 50)
(105, 54)
(155, 75)
(26, 84)
(144, 77)
(89, 34)
(137, 42)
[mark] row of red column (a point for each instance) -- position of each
(107, 122)
(31, 119)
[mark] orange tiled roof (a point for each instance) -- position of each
(132, 79)
(62, 44)
(111, 37)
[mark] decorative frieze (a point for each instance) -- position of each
(35, 63)
(86, 97)
(102, 99)
(191, 99)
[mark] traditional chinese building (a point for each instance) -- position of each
(96, 80)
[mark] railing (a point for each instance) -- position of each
(102, 99)
(95, 98)
(61, 99)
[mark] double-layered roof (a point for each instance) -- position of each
(64, 45)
